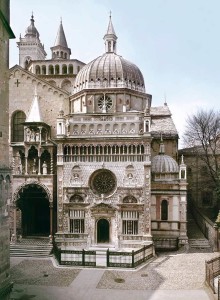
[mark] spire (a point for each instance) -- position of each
(61, 38)
(162, 147)
(34, 114)
(110, 37)
(110, 29)
(60, 48)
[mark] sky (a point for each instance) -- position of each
(175, 43)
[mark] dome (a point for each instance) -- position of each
(164, 164)
(110, 71)
(31, 29)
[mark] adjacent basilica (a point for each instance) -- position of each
(93, 162)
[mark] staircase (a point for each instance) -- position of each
(31, 247)
(200, 244)
(197, 240)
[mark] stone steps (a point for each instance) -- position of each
(30, 249)
(199, 243)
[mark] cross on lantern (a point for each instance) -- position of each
(17, 82)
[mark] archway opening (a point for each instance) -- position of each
(35, 211)
(103, 231)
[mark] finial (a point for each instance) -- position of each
(110, 14)
(165, 99)
(61, 20)
(162, 147)
(182, 161)
(32, 15)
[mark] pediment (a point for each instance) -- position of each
(103, 207)
(17, 72)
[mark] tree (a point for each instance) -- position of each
(202, 136)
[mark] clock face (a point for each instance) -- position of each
(105, 103)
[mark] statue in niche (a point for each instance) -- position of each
(32, 136)
(37, 136)
(18, 164)
(34, 170)
(130, 175)
(75, 176)
(66, 197)
(44, 166)
(28, 135)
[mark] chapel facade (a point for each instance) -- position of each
(94, 163)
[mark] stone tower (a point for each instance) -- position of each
(30, 47)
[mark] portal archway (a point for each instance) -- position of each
(103, 231)
(33, 203)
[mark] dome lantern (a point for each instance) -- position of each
(110, 38)
(31, 29)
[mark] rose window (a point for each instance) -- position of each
(105, 103)
(103, 182)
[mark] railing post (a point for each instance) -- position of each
(83, 257)
(132, 259)
(107, 258)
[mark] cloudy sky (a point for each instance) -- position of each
(175, 43)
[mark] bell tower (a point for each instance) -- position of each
(30, 47)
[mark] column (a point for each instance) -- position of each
(51, 219)
(26, 165)
(15, 224)
(39, 166)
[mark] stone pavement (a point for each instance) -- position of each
(177, 275)
(171, 276)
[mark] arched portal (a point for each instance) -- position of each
(33, 203)
(102, 231)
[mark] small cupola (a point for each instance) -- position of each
(110, 38)
(31, 30)
(164, 167)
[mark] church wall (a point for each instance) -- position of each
(70, 184)
(171, 147)
(5, 172)
(22, 92)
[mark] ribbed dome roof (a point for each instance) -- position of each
(110, 70)
(164, 164)
(31, 29)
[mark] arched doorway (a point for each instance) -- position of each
(35, 211)
(102, 231)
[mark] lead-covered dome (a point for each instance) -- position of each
(164, 164)
(110, 70)
(31, 30)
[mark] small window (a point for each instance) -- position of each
(164, 210)
(18, 126)
(130, 222)
(76, 221)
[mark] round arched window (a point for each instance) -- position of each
(103, 182)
